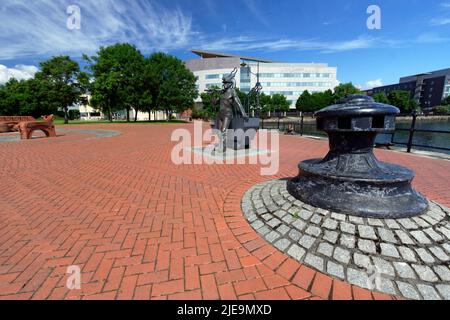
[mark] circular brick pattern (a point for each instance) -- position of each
(405, 257)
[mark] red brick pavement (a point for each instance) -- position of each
(141, 227)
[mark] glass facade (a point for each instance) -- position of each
(447, 89)
(284, 93)
(295, 75)
(213, 76)
(246, 79)
(290, 84)
(296, 84)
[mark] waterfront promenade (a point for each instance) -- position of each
(139, 227)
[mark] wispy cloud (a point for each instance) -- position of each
(253, 7)
(373, 84)
(19, 72)
(39, 27)
(431, 38)
(440, 21)
(444, 19)
(244, 43)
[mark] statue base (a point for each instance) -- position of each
(241, 132)
(374, 190)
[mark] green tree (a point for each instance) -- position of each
(120, 79)
(27, 97)
(344, 89)
(172, 86)
(12, 97)
(313, 102)
(64, 83)
(401, 99)
(280, 103)
(414, 105)
(381, 97)
(446, 101)
(266, 103)
(305, 102)
(245, 98)
(322, 100)
(210, 101)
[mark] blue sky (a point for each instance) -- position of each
(415, 34)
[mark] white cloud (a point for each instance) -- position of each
(440, 21)
(443, 20)
(38, 28)
(19, 72)
(431, 38)
(374, 83)
(244, 43)
(253, 7)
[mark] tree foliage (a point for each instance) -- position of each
(60, 83)
(279, 103)
(344, 89)
(266, 103)
(57, 86)
(172, 86)
(381, 97)
(119, 79)
(313, 102)
(210, 101)
(402, 100)
(446, 101)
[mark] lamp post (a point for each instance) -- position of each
(257, 88)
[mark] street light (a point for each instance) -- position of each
(258, 87)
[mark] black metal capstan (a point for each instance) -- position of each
(350, 179)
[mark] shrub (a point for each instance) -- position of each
(201, 114)
(441, 110)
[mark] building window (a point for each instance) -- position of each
(295, 75)
(296, 84)
(212, 76)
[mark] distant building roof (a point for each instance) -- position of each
(208, 54)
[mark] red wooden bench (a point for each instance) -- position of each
(11, 123)
(26, 128)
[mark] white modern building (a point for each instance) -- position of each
(288, 79)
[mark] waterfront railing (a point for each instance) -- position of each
(305, 126)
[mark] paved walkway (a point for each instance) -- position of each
(141, 227)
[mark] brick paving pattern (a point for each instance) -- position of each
(141, 227)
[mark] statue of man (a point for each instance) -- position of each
(229, 103)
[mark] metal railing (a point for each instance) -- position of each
(412, 132)
(301, 128)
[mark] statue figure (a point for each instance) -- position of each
(230, 107)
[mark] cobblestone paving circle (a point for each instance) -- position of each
(95, 133)
(405, 257)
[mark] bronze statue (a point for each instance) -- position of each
(230, 107)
